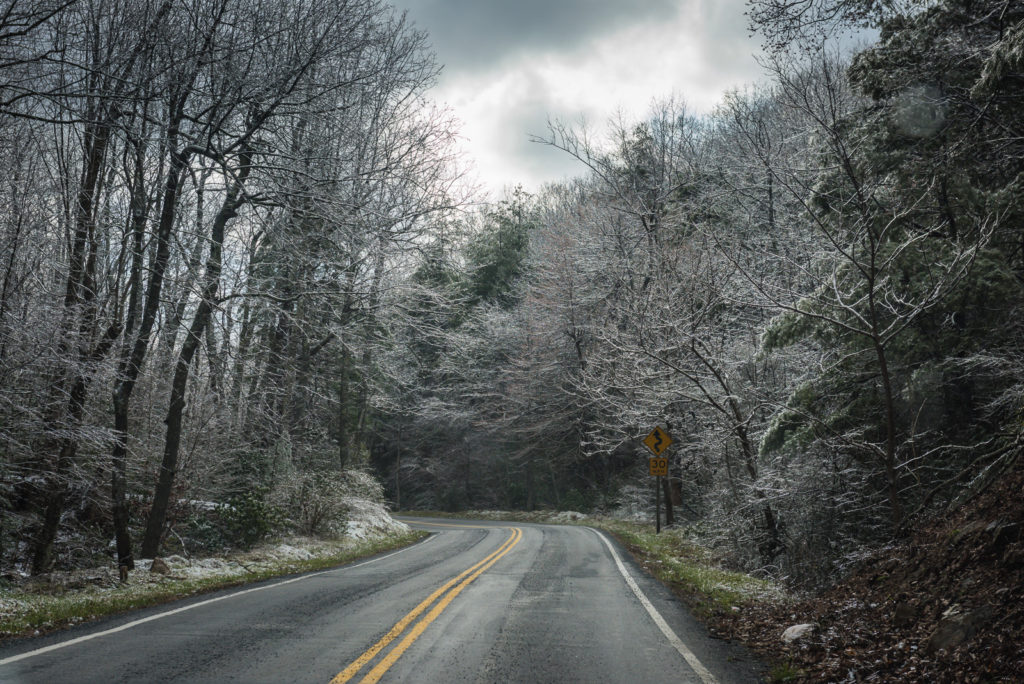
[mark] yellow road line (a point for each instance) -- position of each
(396, 653)
(400, 626)
(477, 569)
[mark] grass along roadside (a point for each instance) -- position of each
(690, 570)
(36, 608)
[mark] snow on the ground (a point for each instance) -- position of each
(289, 551)
(568, 516)
(369, 519)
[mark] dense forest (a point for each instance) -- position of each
(237, 259)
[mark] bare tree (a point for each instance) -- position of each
(113, 61)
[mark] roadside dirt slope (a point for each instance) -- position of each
(946, 606)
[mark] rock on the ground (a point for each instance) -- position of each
(955, 628)
(796, 632)
(160, 567)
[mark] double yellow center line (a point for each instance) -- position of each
(446, 593)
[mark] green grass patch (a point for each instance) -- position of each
(690, 569)
(785, 672)
(26, 611)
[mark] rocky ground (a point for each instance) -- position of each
(945, 606)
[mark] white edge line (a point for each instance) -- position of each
(673, 639)
(136, 623)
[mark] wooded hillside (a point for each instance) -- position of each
(235, 261)
(816, 290)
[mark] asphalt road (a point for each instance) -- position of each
(476, 602)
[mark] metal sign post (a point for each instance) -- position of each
(657, 505)
(658, 441)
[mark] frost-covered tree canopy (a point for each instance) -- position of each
(235, 263)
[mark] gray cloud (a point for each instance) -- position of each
(475, 35)
(527, 160)
(512, 64)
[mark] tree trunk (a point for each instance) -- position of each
(268, 386)
(131, 365)
(135, 351)
(891, 473)
(122, 392)
(77, 328)
(666, 491)
(531, 496)
(6, 287)
(398, 473)
(238, 368)
(42, 557)
(343, 436)
(168, 467)
(119, 483)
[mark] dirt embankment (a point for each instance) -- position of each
(945, 606)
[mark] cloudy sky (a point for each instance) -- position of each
(509, 65)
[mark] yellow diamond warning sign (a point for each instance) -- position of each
(657, 441)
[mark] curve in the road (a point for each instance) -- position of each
(453, 587)
(484, 602)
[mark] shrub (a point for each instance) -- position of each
(318, 507)
(248, 517)
(574, 500)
